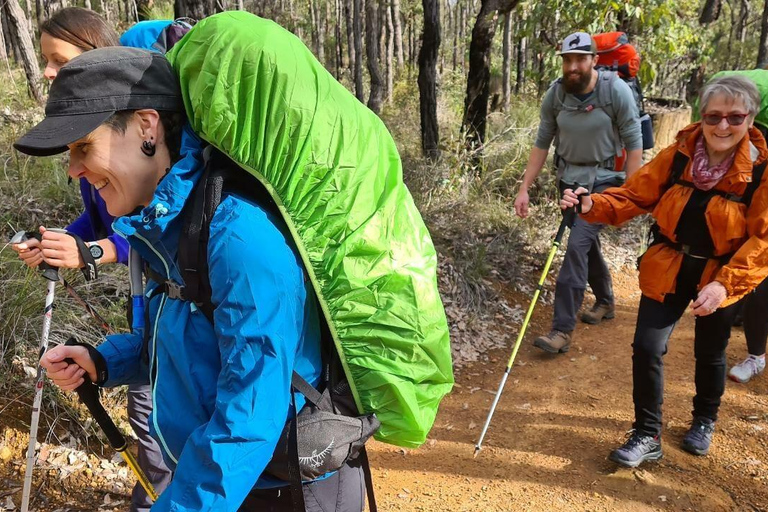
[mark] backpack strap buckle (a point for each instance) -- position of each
(174, 290)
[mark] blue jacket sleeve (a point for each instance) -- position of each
(122, 353)
(82, 226)
(260, 295)
(121, 247)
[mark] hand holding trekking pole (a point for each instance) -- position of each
(576, 198)
(68, 366)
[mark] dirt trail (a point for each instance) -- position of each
(559, 418)
(547, 446)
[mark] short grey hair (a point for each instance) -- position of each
(734, 87)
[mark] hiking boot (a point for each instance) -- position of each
(598, 312)
(752, 366)
(699, 436)
(554, 342)
(638, 449)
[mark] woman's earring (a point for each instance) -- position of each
(148, 148)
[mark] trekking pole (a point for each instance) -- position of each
(88, 392)
(23, 236)
(52, 276)
(568, 218)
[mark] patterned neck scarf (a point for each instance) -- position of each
(704, 176)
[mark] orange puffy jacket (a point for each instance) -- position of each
(733, 227)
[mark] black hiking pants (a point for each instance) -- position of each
(756, 319)
(655, 322)
(344, 491)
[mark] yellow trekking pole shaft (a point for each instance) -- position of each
(568, 218)
(140, 476)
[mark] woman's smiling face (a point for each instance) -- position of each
(113, 163)
(723, 137)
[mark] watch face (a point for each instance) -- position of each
(96, 251)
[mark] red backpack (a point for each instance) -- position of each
(617, 54)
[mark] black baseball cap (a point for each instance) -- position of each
(95, 85)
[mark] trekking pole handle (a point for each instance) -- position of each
(49, 272)
(88, 392)
(581, 195)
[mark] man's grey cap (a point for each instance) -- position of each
(95, 85)
(578, 42)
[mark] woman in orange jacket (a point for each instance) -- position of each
(708, 195)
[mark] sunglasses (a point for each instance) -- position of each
(733, 119)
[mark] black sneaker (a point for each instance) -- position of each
(638, 449)
(699, 436)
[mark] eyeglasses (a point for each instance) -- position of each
(733, 119)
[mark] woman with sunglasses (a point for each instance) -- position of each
(709, 198)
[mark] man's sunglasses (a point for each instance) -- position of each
(733, 119)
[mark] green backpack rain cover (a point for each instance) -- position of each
(760, 77)
(255, 92)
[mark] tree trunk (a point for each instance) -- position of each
(29, 18)
(350, 35)
(358, 35)
(3, 47)
(762, 49)
(455, 36)
(398, 33)
(710, 12)
(381, 35)
(339, 46)
(372, 53)
(88, 5)
(315, 34)
(389, 56)
(522, 49)
(506, 50)
(19, 30)
(195, 9)
(131, 11)
(39, 15)
(478, 78)
(430, 46)
(462, 32)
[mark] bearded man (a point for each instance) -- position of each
(592, 117)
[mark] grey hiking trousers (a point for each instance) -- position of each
(150, 457)
(583, 263)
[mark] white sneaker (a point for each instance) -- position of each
(751, 367)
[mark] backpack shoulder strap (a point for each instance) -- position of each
(193, 240)
(679, 162)
(559, 93)
(757, 176)
(604, 93)
(221, 174)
